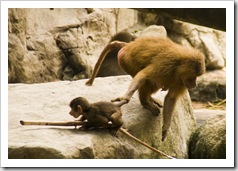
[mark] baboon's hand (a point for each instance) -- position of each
(119, 103)
(121, 100)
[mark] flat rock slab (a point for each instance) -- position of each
(49, 102)
(202, 115)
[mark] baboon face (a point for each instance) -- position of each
(190, 82)
(76, 113)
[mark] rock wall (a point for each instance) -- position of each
(60, 44)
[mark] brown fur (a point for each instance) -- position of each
(169, 60)
(97, 114)
(110, 64)
(158, 63)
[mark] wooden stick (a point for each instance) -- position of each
(77, 123)
(144, 144)
(217, 105)
(60, 123)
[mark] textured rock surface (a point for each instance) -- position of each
(154, 30)
(209, 140)
(49, 102)
(211, 42)
(60, 44)
(202, 115)
(211, 86)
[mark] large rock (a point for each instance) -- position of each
(209, 140)
(16, 53)
(60, 44)
(39, 61)
(44, 61)
(154, 30)
(211, 86)
(209, 41)
(203, 115)
(17, 23)
(49, 102)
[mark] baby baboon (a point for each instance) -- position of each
(97, 114)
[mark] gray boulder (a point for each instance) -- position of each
(211, 86)
(203, 115)
(49, 102)
(209, 140)
(154, 30)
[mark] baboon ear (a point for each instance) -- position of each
(79, 108)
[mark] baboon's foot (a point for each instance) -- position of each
(157, 102)
(155, 110)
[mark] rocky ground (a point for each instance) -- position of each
(203, 111)
(49, 102)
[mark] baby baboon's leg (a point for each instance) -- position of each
(117, 122)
